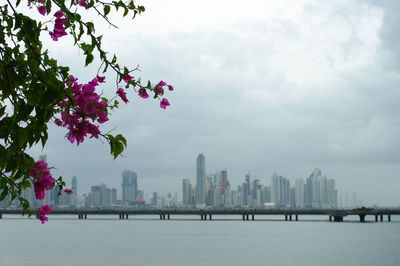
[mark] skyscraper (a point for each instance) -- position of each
(299, 187)
(74, 187)
(201, 180)
(186, 192)
(129, 186)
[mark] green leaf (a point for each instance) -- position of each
(4, 194)
(107, 10)
(89, 59)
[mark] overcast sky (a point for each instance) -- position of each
(261, 86)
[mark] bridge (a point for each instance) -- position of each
(336, 215)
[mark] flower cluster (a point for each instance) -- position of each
(42, 179)
(86, 105)
(122, 94)
(59, 29)
(159, 91)
(45, 209)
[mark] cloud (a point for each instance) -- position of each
(285, 91)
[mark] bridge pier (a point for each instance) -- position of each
(330, 218)
(243, 217)
(290, 217)
(389, 218)
(210, 216)
(297, 217)
(376, 217)
(338, 218)
(381, 217)
(168, 216)
(362, 218)
(1, 216)
(160, 216)
(252, 217)
(247, 217)
(286, 218)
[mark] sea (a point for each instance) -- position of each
(189, 241)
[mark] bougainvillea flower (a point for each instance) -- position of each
(143, 93)
(38, 168)
(158, 90)
(170, 88)
(121, 93)
(45, 182)
(100, 79)
(45, 209)
(42, 10)
(127, 78)
(164, 103)
(59, 14)
(162, 83)
(68, 191)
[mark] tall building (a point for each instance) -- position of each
(320, 191)
(186, 192)
(280, 191)
(129, 186)
(299, 187)
(154, 200)
(74, 187)
(201, 180)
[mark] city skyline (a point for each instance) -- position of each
(315, 87)
(315, 191)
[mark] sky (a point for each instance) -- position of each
(260, 86)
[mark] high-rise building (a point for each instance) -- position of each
(280, 191)
(129, 186)
(320, 191)
(95, 196)
(299, 187)
(186, 192)
(74, 187)
(292, 197)
(201, 180)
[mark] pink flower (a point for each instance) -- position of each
(162, 83)
(164, 103)
(100, 79)
(38, 168)
(45, 209)
(170, 88)
(81, 3)
(87, 106)
(68, 191)
(42, 10)
(59, 29)
(127, 78)
(58, 122)
(43, 218)
(143, 93)
(121, 93)
(158, 90)
(59, 14)
(45, 181)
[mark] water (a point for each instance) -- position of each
(226, 240)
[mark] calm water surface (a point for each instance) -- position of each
(105, 240)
